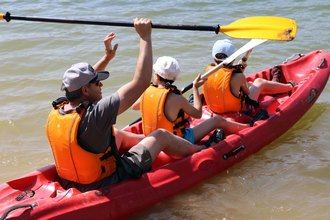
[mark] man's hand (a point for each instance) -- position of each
(110, 51)
(143, 28)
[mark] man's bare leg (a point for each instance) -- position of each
(162, 140)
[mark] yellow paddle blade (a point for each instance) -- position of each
(2, 16)
(262, 27)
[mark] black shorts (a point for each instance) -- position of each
(136, 161)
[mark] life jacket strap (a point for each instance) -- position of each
(183, 121)
(262, 114)
(59, 101)
(113, 151)
(250, 101)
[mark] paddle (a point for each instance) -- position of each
(245, 49)
(258, 27)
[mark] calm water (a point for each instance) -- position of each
(289, 179)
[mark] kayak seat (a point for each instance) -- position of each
(270, 103)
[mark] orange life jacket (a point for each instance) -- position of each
(152, 108)
(217, 92)
(72, 161)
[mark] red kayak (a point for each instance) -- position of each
(38, 195)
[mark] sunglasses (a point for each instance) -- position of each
(95, 81)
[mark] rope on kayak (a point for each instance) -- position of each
(9, 210)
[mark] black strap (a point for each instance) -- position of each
(183, 120)
(174, 89)
(181, 123)
(80, 109)
(260, 115)
(250, 101)
(171, 87)
(113, 151)
(56, 103)
(239, 68)
(107, 154)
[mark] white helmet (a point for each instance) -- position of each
(223, 46)
(167, 67)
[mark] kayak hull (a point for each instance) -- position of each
(44, 198)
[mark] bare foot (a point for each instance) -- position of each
(276, 73)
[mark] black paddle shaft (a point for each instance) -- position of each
(216, 29)
(188, 87)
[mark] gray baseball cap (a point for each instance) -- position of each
(79, 75)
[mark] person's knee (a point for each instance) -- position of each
(259, 82)
(219, 120)
(161, 134)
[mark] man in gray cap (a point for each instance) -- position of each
(80, 129)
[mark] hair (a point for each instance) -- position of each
(166, 81)
(238, 68)
(74, 95)
(221, 56)
(168, 84)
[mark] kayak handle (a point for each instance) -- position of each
(232, 153)
(323, 64)
(9, 210)
(294, 57)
